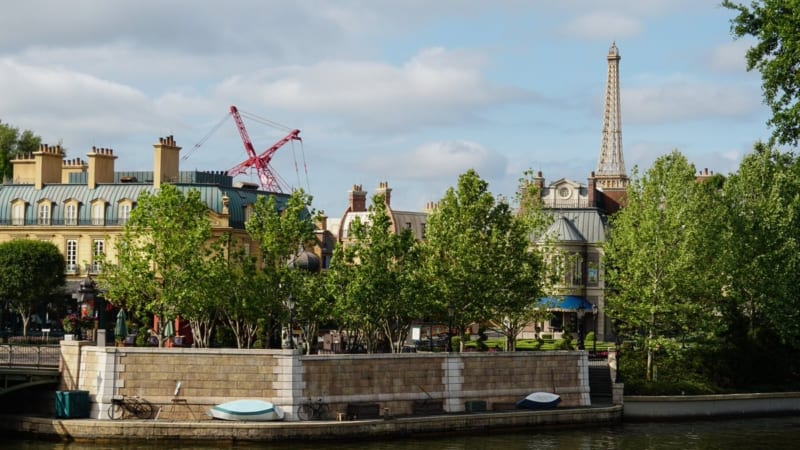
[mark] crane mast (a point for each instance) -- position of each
(267, 179)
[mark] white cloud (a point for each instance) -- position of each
(438, 160)
(603, 25)
(436, 87)
(675, 101)
(730, 57)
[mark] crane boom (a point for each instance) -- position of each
(267, 180)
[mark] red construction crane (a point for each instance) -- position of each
(267, 179)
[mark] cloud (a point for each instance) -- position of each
(730, 57)
(603, 25)
(682, 100)
(436, 87)
(438, 160)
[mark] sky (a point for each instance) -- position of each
(412, 93)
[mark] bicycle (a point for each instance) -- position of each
(123, 407)
(313, 410)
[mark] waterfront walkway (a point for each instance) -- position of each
(92, 430)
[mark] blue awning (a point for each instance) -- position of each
(566, 303)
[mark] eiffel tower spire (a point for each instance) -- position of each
(611, 166)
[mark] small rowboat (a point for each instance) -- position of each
(539, 400)
(248, 409)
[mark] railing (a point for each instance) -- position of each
(29, 355)
(17, 221)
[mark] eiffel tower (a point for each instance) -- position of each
(610, 174)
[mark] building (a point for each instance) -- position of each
(81, 206)
(358, 206)
(580, 223)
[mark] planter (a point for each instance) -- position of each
(69, 337)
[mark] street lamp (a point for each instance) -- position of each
(85, 295)
(580, 312)
(290, 304)
(450, 313)
(594, 316)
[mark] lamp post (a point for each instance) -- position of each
(580, 312)
(450, 314)
(87, 291)
(594, 342)
(290, 304)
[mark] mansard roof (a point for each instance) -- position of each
(212, 190)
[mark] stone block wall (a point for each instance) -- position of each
(396, 384)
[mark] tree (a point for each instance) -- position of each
(12, 144)
(762, 251)
(522, 265)
(477, 255)
(657, 260)
(378, 298)
(775, 24)
(163, 259)
(282, 234)
(31, 272)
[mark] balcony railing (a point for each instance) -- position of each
(17, 222)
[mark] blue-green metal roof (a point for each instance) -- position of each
(211, 185)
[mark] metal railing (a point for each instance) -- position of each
(30, 355)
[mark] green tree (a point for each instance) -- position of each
(477, 254)
(378, 298)
(762, 253)
(31, 272)
(775, 24)
(521, 265)
(163, 259)
(12, 144)
(282, 234)
(657, 260)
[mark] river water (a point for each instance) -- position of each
(740, 434)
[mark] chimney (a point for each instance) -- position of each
(383, 189)
(101, 166)
(48, 165)
(165, 161)
(539, 181)
(592, 190)
(23, 169)
(430, 207)
(70, 166)
(358, 199)
(322, 221)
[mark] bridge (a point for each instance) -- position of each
(26, 365)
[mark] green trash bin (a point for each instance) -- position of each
(72, 404)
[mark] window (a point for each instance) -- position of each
(98, 213)
(70, 214)
(408, 225)
(423, 230)
(18, 214)
(98, 250)
(72, 256)
(44, 214)
(124, 213)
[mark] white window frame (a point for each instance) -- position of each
(98, 250)
(71, 253)
(43, 217)
(18, 214)
(70, 214)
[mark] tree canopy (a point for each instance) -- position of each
(775, 24)
(31, 272)
(163, 258)
(12, 144)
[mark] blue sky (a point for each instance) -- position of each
(409, 92)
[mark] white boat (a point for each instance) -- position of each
(539, 400)
(246, 410)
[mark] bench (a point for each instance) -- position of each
(363, 411)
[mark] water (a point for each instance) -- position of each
(741, 434)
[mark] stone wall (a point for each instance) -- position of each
(392, 384)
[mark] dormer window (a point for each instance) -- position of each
(99, 212)
(70, 215)
(124, 211)
(43, 217)
(18, 213)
